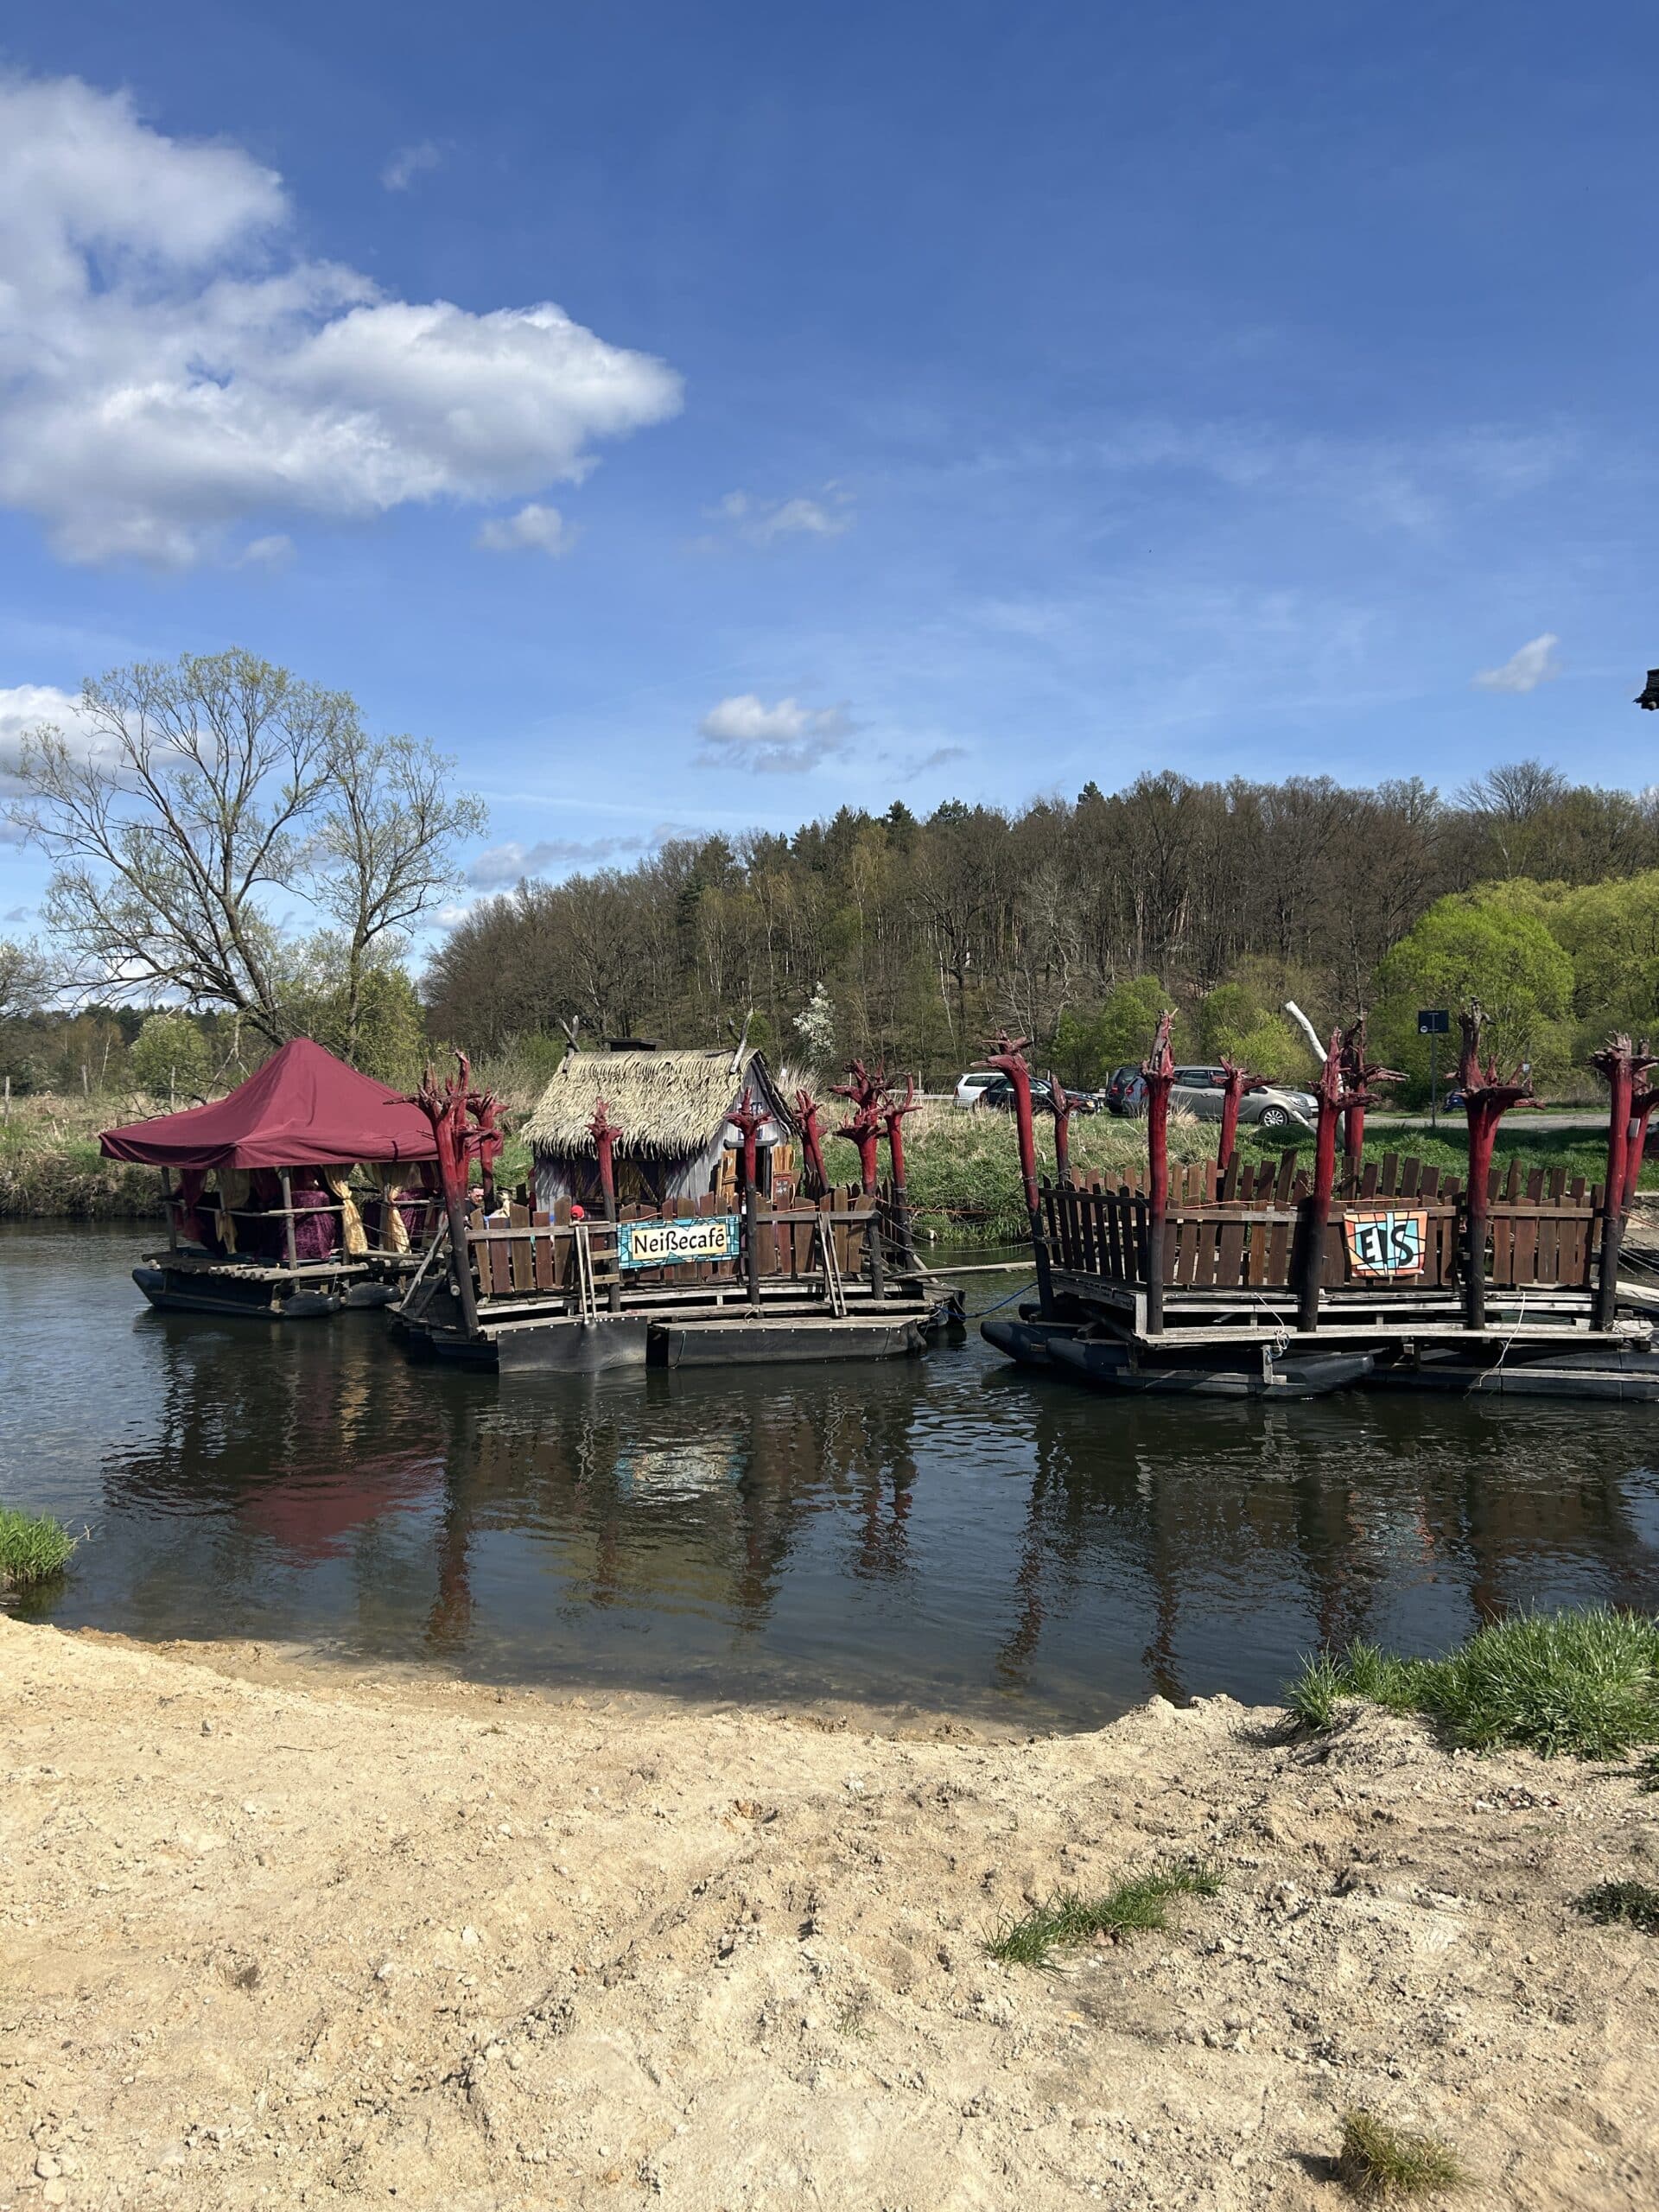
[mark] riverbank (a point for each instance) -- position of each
(51, 1168)
(276, 1932)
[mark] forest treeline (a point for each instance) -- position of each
(908, 940)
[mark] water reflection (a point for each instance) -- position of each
(948, 1532)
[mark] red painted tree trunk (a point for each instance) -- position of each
(446, 1110)
(605, 1132)
(1316, 1207)
(1062, 1129)
(1158, 1073)
(1007, 1056)
(806, 1113)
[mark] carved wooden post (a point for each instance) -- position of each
(1237, 1082)
(1061, 1098)
(1309, 1269)
(806, 1113)
(892, 1115)
(1621, 1064)
(746, 1118)
(605, 1132)
(446, 1110)
(1486, 1102)
(1158, 1073)
(1008, 1058)
(1642, 1106)
(1354, 1104)
(866, 1092)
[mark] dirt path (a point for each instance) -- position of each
(279, 1936)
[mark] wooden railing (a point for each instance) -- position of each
(1239, 1232)
(521, 1250)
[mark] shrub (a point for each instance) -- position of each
(1634, 1903)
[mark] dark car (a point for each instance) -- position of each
(1001, 1094)
(1119, 1087)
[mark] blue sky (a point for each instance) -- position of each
(954, 400)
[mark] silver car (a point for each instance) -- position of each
(1198, 1091)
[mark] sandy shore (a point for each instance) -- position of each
(278, 1934)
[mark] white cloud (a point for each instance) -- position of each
(510, 862)
(543, 529)
(169, 368)
(273, 552)
(759, 522)
(24, 707)
(1525, 670)
(782, 739)
(410, 162)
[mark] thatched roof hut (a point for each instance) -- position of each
(672, 1110)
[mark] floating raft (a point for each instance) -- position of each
(552, 1293)
(1113, 1363)
(176, 1284)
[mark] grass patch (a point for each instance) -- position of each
(1382, 2163)
(1135, 1907)
(33, 1547)
(1637, 1904)
(1580, 1684)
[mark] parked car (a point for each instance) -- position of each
(1120, 1085)
(999, 1093)
(1198, 1091)
(972, 1087)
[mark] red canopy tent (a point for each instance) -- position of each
(303, 1109)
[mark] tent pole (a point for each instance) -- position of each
(167, 1207)
(288, 1218)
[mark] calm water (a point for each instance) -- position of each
(946, 1532)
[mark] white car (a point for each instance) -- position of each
(971, 1086)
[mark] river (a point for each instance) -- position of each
(937, 1535)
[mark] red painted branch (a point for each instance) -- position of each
(806, 1113)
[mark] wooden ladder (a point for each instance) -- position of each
(587, 1298)
(834, 1288)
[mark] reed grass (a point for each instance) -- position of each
(1133, 1907)
(33, 1548)
(1582, 1684)
(1382, 2163)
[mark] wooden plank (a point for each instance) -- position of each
(520, 1265)
(541, 1251)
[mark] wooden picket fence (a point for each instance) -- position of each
(1239, 1231)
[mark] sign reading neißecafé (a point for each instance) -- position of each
(673, 1243)
(1387, 1243)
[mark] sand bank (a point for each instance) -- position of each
(276, 1933)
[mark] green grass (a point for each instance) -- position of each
(32, 1548)
(1584, 1684)
(1634, 1903)
(1581, 1151)
(1382, 2163)
(1135, 1907)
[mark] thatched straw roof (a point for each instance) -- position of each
(665, 1103)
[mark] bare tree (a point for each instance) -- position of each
(381, 850)
(207, 786)
(25, 980)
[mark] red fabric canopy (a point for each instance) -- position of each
(303, 1109)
